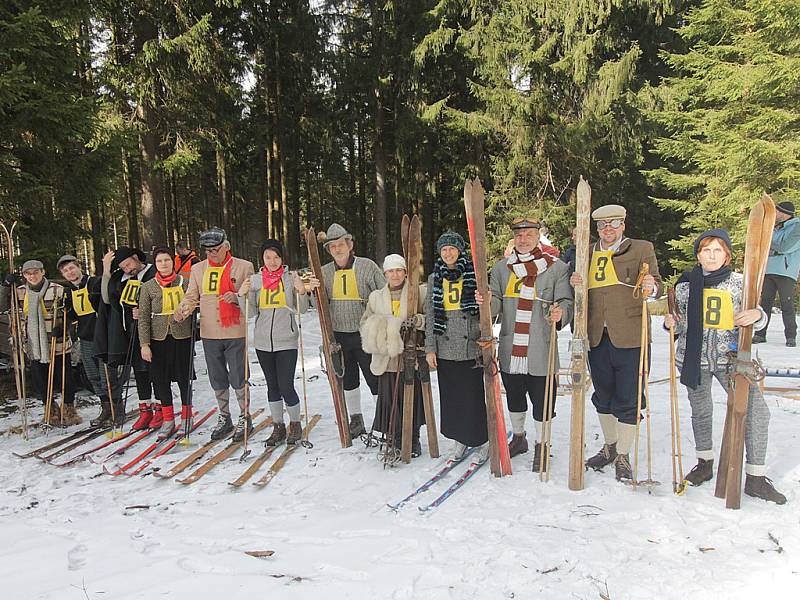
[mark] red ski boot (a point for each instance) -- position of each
(158, 418)
(145, 416)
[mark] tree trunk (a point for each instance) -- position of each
(378, 147)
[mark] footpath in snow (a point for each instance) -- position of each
(75, 533)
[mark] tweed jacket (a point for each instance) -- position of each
(458, 342)
(614, 307)
(551, 286)
(153, 325)
(210, 326)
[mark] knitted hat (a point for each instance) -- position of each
(335, 232)
(32, 265)
(450, 238)
(162, 250)
(273, 245)
(394, 261)
(715, 233)
(786, 208)
(213, 237)
(124, 252)
(609, 211)
(67, 258)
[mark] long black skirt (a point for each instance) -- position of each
(461, 400)
(390, 384)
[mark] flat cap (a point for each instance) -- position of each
(211, 238)
(32, 265)
(609, 211)
(67, 258)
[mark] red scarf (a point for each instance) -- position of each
(270, 280)
(165, 280)
(228, 313)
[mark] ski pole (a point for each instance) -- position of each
(111, 402)
(187, 426)
(678, 482)
(544, 457)
(304, 442)
(246, 451)
(63, 354)
(638, 293)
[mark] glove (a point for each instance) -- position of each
(10, 280)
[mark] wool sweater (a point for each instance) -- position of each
(346, 314)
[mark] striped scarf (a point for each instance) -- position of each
(463, 268)
(526, 267)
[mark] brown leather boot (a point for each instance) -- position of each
(295, 433)
(278, 434)
(518, 444)
(71, 416)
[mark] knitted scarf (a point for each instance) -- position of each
(270, 280)
(228, 313)
(37, 322)
(526, 267)
(690, 374)
(462, 268)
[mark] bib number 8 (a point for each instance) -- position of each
(713, 310)
(602, 263)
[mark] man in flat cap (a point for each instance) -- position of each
(214, 286)
(614, 330)
(783, 268)
(117, 332)
(82, 300)
(530, 288)
(42, 303)
(349, 280)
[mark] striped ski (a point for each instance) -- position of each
(438, 476)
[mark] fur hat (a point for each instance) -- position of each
(271, 244)
(335, 232)
(394, 261)
(450, 238)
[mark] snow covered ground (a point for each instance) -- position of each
(70, 533)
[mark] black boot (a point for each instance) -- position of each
(701, 472)
(759, 486)
(119, 412)
(622, 466)
(606, 455)
(244, 421)
(104, 418)
(518, 444)
(224, 427)
(759, 338)
(356, 425)
(416, 448)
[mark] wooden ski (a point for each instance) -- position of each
(759, 238)
(580, 342)
(334, 361)
(500, 460)
(287, 452)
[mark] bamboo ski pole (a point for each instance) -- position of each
(246, 451)
(638, 293)
(304, 442)
(544, 458)
(678, 482)
(63, 354)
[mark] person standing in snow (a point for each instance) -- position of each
(614, 329)
(276, 295)
(166, 344)
(214, 286)
(349, 280)
(385, 318)
(530, 289)
(452, 328)
(708, 302)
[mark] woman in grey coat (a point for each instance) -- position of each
(452, 328)
(276, 294)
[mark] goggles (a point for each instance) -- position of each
(615, 223)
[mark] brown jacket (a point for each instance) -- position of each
(210, 327)
(154, 325)
(614, 307)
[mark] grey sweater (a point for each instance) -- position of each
(276, 328)
(346, 314)
(551, 286)
(458, 340)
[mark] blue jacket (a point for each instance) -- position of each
(784, 253)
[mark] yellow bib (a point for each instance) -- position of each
(452, 293)
(601, 269)
(514, 286)
(170, 298)
(80, 302)
(344, 285)
(717, 309)
(396, 308)
(211, 281)
(130, 293)
(272, 298)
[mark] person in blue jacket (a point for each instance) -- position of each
(783, 268)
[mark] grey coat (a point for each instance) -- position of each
(276, 328)
(458, 340)
(551, 286)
